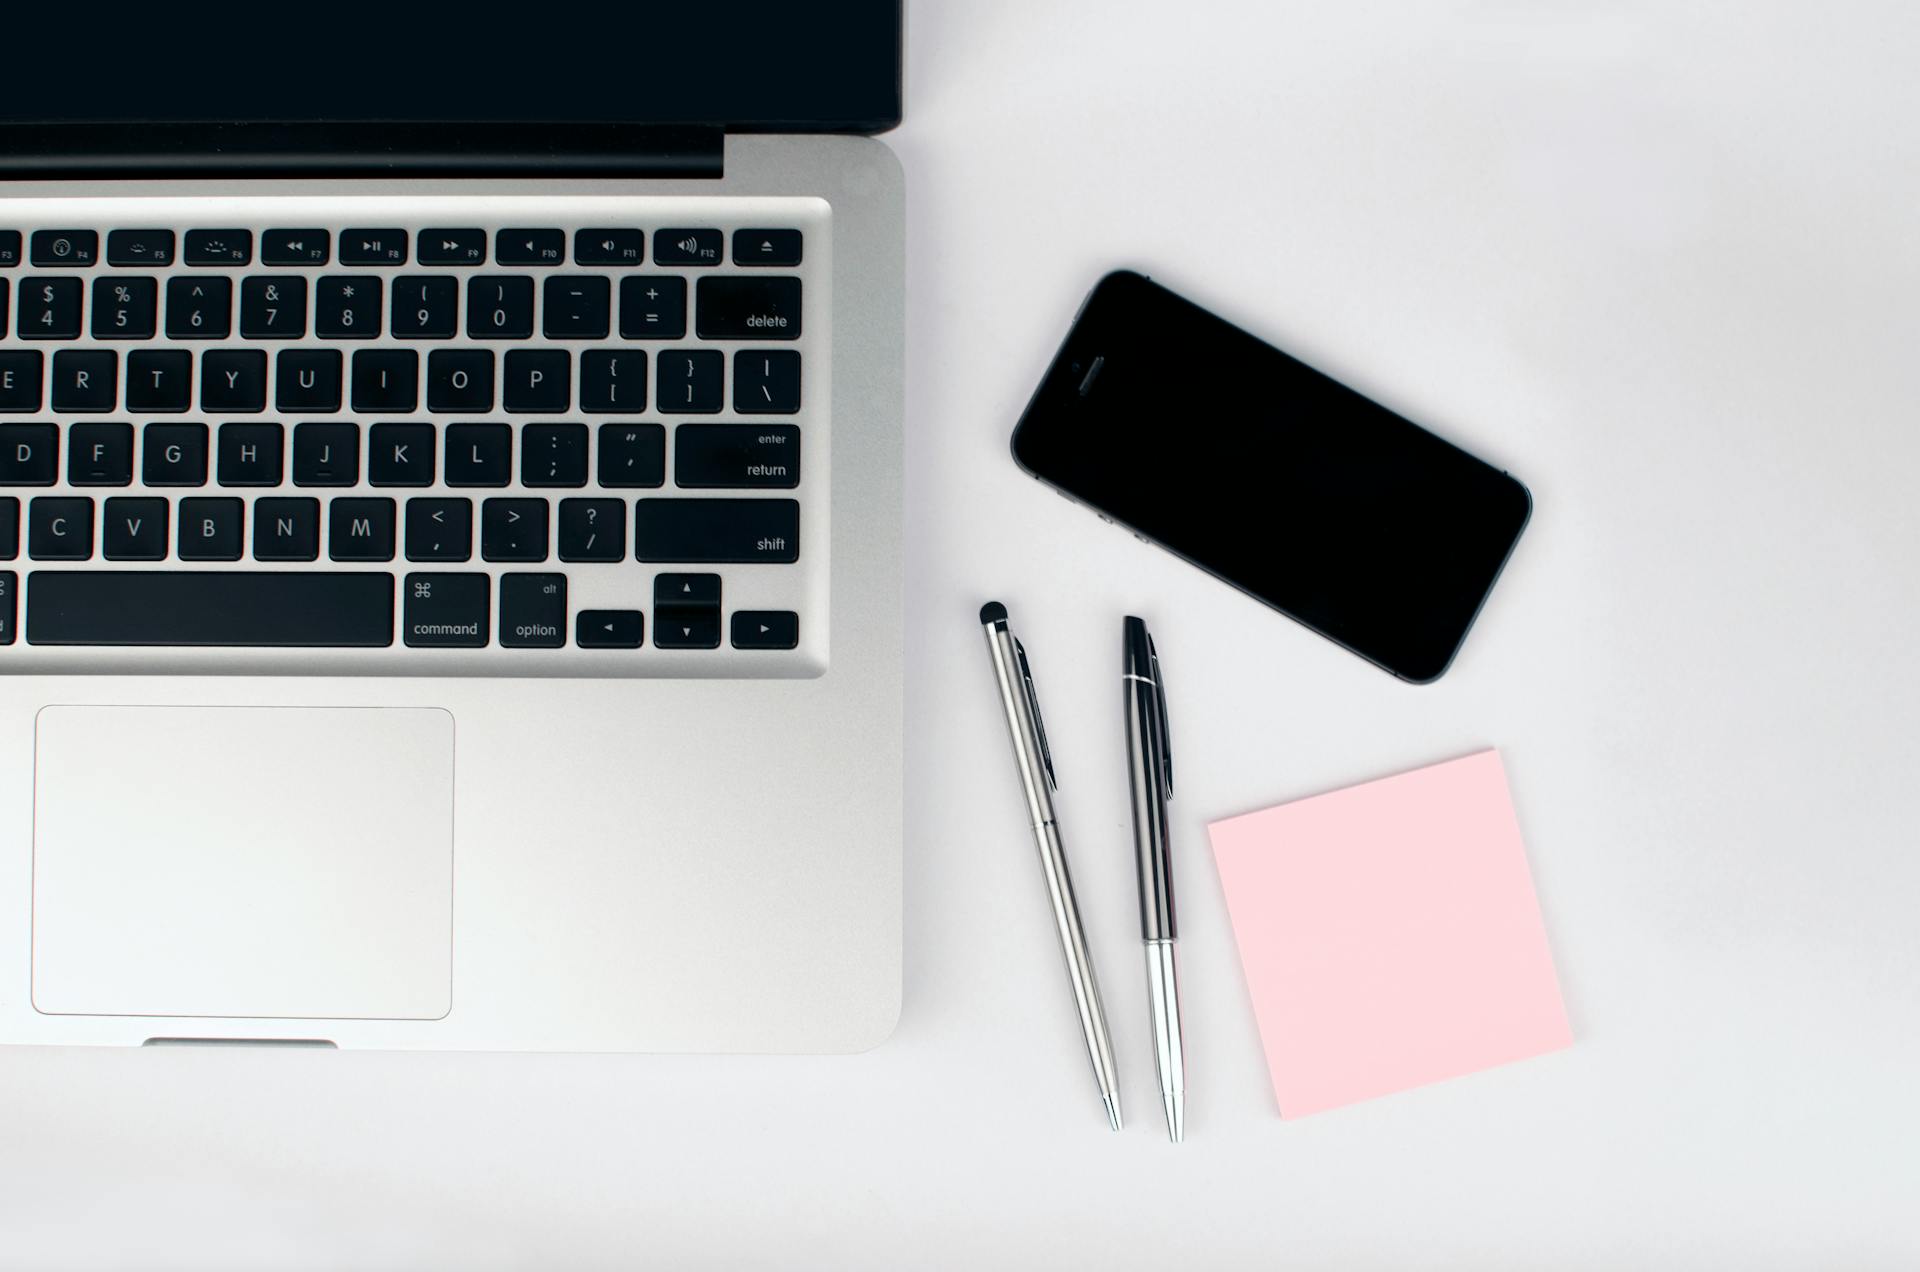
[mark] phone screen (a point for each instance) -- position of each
(1272, 476)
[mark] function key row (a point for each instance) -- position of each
(605, 245)
(458, 381)
(630, 455)
(423, 307)
(371, 529)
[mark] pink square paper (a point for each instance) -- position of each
(1390, 934)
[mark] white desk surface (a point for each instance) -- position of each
(1658, 259)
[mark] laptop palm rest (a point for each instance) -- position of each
(285, 862)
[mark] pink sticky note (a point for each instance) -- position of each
(1390, 934)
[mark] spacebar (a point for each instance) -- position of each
(104, 607)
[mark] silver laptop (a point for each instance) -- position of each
(450, 540)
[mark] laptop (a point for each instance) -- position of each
(450, 533)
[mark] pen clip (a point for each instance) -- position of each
(1033, 704)
(1166, 735)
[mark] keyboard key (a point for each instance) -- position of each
(717, 530)
(173, 455)
(9, 248)
(125, 307)
(137, 248)
(229, 607)
(609, 629)
(360, 529)
(386, 380)
(296, 247)
(686, 247)
(373, 247)
(5, 292)
(653, 307)
(766, 629)
(537, 380)
(686, 629)
(736, 456)
(553, 455)
(400, 455)
(219, 247)
(159, 380)
(426, 307)
(530, 247)
(766, 247)
(460, 380)
(738, 307)
(577, 307)
(446, 611)
(134, 530)
(100, 455)
(347, 307)
(632, 455)
(439, 529)
(613, 381)
(9, 585)
(60, 529)
(199, 308)
(65, 248)
(453, 247)
(272, 307)
(608, 247)
(9, 527)
(307, 381)
(513, 530)
(286, 529)
(29, 454)
(500, 307)
(233, 381)
(326, 454)
(86, 380)
(690, 380)
(593, 530)
(766, 382)
(699, 591)
(533, 611)
(250, 454)
(20, 375)
(49, 308)
(210, 529)
(479, 454)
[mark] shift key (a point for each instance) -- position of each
(717, 531)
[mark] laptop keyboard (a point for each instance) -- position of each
(481, 436)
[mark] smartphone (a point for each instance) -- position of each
(1271, 476)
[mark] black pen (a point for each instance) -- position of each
(1150, 774)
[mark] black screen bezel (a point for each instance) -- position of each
(1128, 302)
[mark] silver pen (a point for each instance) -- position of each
(1037, 780)
(1150, 774)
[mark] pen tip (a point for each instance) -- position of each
(1113, 1110)
(993, 612)
(1176, 1116)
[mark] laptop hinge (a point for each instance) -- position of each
(94, 150)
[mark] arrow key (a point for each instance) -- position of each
(687, 628)
(686, 589)
(766, 629)
(609, 629)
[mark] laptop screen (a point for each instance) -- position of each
(750, 65)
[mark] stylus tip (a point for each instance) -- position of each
(993, 612)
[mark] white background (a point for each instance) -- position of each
(1658, 259)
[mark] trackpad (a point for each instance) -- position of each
(243, 861)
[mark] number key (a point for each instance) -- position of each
(500, 307)
(426, 307)
(272, 307)
(199, 307)
(347, 307)
(49, 308)
(125, 308)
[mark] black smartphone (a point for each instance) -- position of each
(1271, 476)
